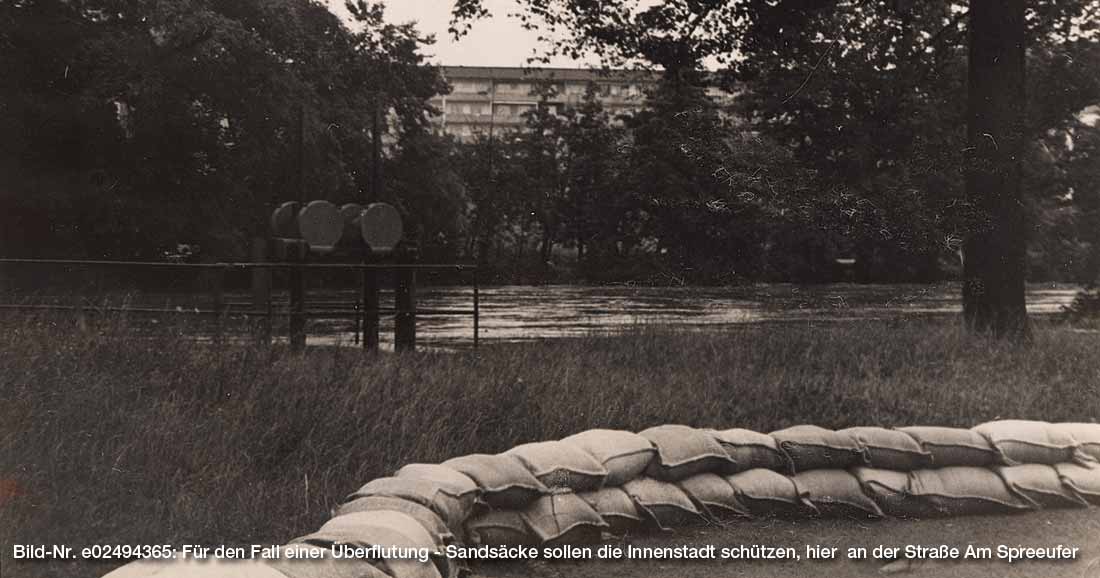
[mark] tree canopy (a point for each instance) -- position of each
(870, 98)
(136, 125)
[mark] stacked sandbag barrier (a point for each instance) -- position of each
(578, 489)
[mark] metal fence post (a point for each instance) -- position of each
(217, 290)
(297, 304)
(370, 310)
(477, 309)
(261, 290)
(404, 329)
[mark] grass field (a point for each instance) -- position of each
(110, 438)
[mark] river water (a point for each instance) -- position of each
(519, 313)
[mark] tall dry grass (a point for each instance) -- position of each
(113, 436)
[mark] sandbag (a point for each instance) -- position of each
(1083, 480)
(664, 503)
(714, 496)
(890, 449)
(393, 530)
(765, 493)
(453, 509)
(748, 450)
(960, 491)
(297, 565)
(890, 491)
(503, 480)
(953, 446)
(349, 524)
(427, 518)
(684, 451)
(451, 481)
(1040, 485)
(1020, 441)
(500, 528)
(835, 494)
(140, 568)
(559, 465)
(1086, 435)
(616, 508)
(625, 455)
(195, 568)
(809, 447)
(563, 519)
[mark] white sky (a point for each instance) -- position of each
(496, 41)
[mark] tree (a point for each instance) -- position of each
(873, 97)
(596, 202)
(995, 248)
(540, 184)
(477, 165)
(131, 126)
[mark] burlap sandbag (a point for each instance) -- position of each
(1083, 480)
(450, 480)
(960, 491)
(810, 447)
(616, 508)
(1020, 442)
(1087, 436)
(422, 514)
(564, 519)
(200, 568)
(503, 480)
(714, 496)
(407, 525)
(500, 528)
(364, 529)
(749, 450)
(765, 493)
(890, 449)
(664, 503)
(625, 455)
(300, 566)
(1040, 485)
(453, 509)
(684, 451)
(890, 491)
(836, 494)
(951, 446)
(559, 465)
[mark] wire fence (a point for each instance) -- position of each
(263, 300)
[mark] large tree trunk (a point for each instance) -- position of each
(995, 248)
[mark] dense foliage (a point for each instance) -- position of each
(131, 126)
(870, 100)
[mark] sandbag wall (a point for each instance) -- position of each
(576, 489)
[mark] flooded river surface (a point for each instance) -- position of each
(519, 313)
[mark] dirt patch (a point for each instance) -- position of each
(1070, 528)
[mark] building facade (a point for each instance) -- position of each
(488, 99)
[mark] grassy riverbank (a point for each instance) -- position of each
(106, 438)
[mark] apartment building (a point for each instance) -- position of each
(486, 99)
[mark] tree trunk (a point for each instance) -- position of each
(995, 248)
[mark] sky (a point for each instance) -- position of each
(498, 41)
